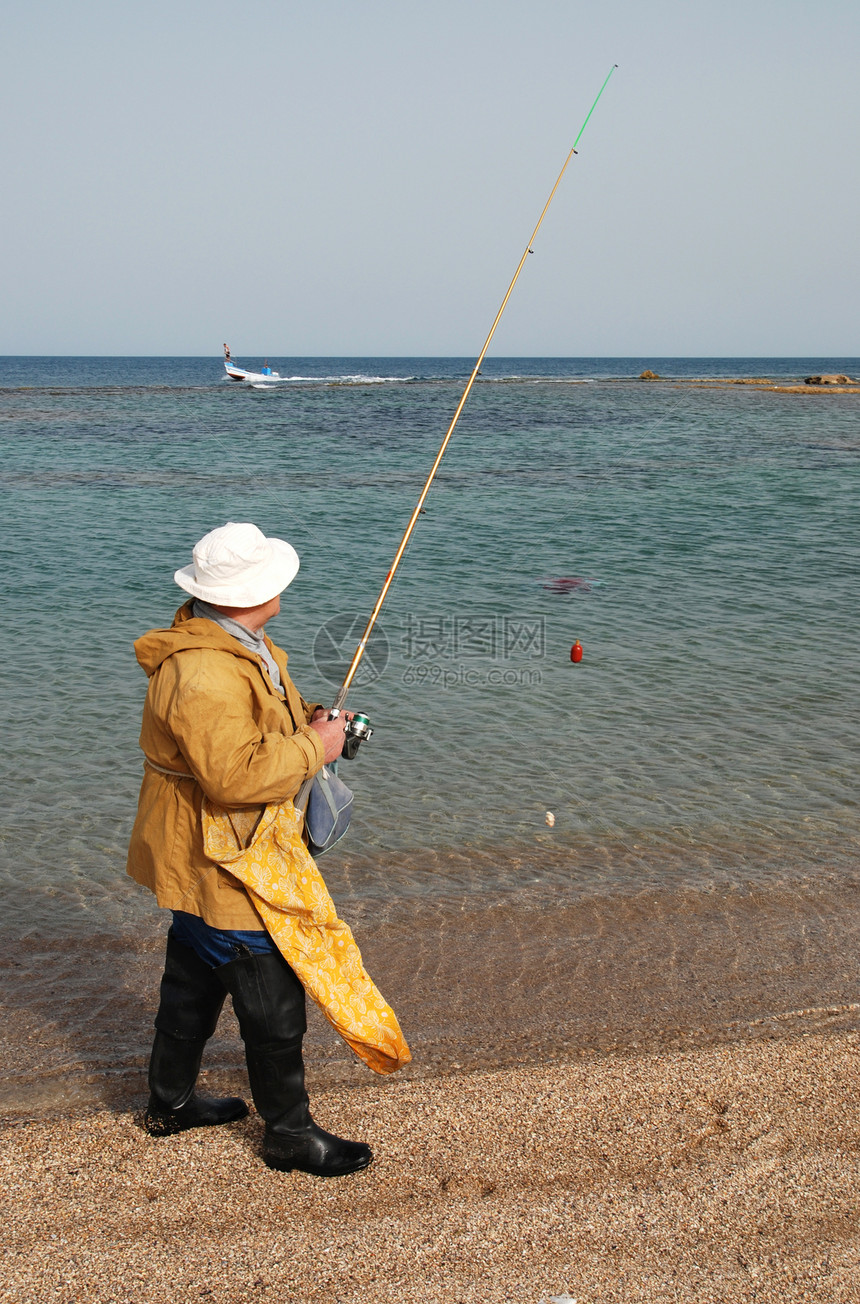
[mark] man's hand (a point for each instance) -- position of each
(330, 732)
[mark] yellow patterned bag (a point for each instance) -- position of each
(267, 855)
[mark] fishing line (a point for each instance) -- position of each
(360, 650)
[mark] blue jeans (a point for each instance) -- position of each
(217, 946)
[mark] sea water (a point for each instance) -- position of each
(700, 541)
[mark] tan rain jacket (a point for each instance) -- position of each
(215, 721)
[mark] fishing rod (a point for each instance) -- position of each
(359, 728)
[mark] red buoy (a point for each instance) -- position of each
(576, 651)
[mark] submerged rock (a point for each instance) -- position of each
(569, 584)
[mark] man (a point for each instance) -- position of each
(224, 721)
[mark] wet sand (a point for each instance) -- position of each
(475, 984)
(728, 1173)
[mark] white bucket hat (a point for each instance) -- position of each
(237, 566)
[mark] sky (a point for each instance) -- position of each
(361, 179)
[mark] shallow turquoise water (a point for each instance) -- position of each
(709, 735)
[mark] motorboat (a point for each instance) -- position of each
(258, 379)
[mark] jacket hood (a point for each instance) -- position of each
(188, 633)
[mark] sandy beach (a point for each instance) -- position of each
(727, 1174)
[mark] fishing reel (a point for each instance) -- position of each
(357, 729)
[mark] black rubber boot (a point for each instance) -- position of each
(191, 1000)
(269, 1002)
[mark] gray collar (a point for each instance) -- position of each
(249, 639)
